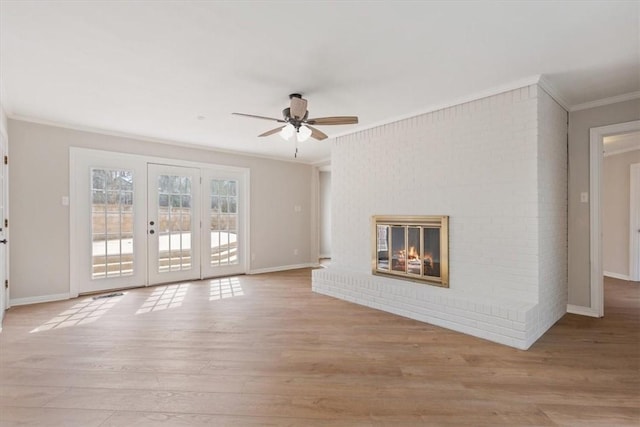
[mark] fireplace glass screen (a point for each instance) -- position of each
(414, 248)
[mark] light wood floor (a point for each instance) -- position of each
(265, 350)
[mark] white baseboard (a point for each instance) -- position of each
(39, 299)
(282, 268)
(616, 275)
(582, 311)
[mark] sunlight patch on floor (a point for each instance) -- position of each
(164, 297)
(227, 287)
(86, 311)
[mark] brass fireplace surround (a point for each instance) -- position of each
(414, 248)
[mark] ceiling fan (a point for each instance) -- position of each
(297, 122)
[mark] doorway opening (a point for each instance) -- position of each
(325, 216)
(597, 145)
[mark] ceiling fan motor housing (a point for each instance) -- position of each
(298, 107)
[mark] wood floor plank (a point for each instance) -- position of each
(281, 355)
(28, 396)
(152, 419)
(595, 415)
(45, 417)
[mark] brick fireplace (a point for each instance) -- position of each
(497, 167)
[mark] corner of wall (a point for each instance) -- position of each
(552, 213)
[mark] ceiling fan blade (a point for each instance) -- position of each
(272, 131)
(253, 116)
(316, 134)
(338, 120)
(298, 107)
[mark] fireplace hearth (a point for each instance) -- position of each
(414, 248)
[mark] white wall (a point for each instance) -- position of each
(579, 220)
(325, 214)
(479, 163)
(39, 177)
(615, 212)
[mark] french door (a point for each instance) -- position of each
(136, 222)
(223, 223)
(173, 223)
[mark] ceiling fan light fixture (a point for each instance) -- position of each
(287, 131)
(303, 133)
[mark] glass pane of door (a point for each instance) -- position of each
(398, 249)
(432, 252)
(173, 223)
(413, 251)
(383, 247)
(224, 222)
(111, 223)
(223, 229)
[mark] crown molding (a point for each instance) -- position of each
(606, 101)
(152, 140)
(545, 84)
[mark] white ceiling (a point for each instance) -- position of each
(149, 69)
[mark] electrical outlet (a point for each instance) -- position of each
(253, 257)
(295, 252)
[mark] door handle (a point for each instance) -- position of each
(151, 232)
(3, 241)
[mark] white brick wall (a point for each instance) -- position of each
(478, 163)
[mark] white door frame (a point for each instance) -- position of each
(634, 222)
(4, 292)
(596, 137)
(316, 208)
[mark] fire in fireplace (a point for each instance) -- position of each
(413, 248)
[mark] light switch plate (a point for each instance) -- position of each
(584, 197)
